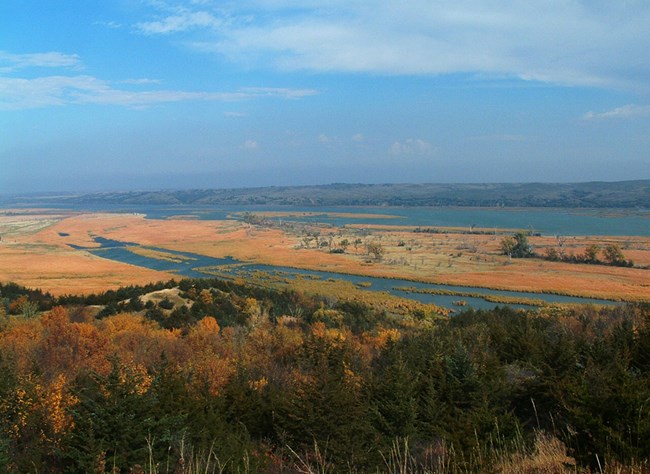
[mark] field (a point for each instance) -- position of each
(35, 251)
(31, 255)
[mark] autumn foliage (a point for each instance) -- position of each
(236, 378)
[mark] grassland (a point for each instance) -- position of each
(35, 251)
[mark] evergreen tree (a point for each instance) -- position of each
(393, 399)
(114, 421)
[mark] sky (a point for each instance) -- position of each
(112, 95)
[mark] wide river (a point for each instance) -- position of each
(546, 221)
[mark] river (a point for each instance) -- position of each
(200, 266)
(545, 221)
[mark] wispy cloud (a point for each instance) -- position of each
(21, 93)
(624, 112)
(113, 25)
(286, 93)
(142, 81)
(12, 62)
(558, 41)
(182, 20)
(18, 93)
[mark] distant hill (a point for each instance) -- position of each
(621, 194)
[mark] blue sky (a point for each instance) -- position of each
(151, 94)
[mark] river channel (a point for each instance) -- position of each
(190, 265)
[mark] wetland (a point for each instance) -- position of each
(448, 257)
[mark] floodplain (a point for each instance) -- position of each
(52, 250)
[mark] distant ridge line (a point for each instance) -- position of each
(595, 194)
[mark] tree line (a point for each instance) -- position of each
(517, 246)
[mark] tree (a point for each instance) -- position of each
(517, 246)
(508, 246)
(24, 306)
(4, 317)
(394, 404)
(552, 254)
(376, 250)
(614, 256)
(327, 408)
(112, 421)
(591, 253)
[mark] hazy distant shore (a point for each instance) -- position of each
(620, 194)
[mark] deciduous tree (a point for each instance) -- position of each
(517, 246)
(614, 255)
(375, 250)
(591, 253)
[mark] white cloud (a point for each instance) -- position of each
(358, 137)
(142, 81)
(12, 62)
(411, 146)
(109, 24)
(21, 93)
(234, 114)
(560, 41)
(182, 20)
(250, 145)
(283, 92)
(34, 93)
(322, 138)
(626, 111)
(18, 93)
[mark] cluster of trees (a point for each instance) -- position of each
(16, 299)
(595, 254)
(517, 246)
(257, 380)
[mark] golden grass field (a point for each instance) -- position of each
(34, 252)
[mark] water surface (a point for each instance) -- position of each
(200, 266)
(596, 222)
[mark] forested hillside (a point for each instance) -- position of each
(624, 194)
(216, 376)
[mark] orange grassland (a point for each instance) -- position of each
(38, 255)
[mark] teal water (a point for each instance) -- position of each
(544, 221)
(567, 222)
(192, 266)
